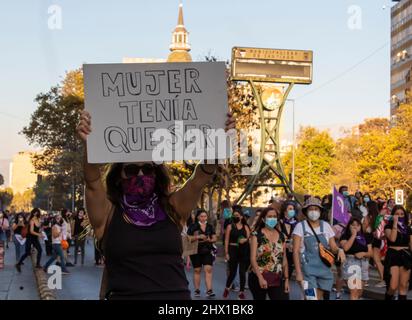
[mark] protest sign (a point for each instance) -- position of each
(156, 111)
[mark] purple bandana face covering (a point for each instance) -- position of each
(140, 203)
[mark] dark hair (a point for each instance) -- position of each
(19, 215)
(373, 212)
(260, 223)
(367, 194)
(399, 207)
(199, 212)
(162, 189)
(34, 212)
(381, 205)
(347, 232)
(54, 221)
(238, 209)
(81, 209)
(284, 206)
(64, 215)
(342, 187)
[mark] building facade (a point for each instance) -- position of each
(401, 53)
(22, 176)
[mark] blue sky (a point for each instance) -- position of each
(33, 57)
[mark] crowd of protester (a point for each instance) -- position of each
(305, 241)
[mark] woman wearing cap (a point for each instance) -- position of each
(205, 234)
(269, 274)
(138, 221)
(311, 272)
(398, 260)
(237, 250)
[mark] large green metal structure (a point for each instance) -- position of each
(257, 66)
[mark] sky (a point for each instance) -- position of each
(350, 40)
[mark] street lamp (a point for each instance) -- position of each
(293, 144)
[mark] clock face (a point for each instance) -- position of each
(272, 98)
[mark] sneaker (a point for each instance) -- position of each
(18, 267)
(338, 295)
(366, 284)
(226, 293)
(69, 264)
(210, 294)
(241, 296)
(380, 284)
(197, 293)
(234, 288)
(65, 272)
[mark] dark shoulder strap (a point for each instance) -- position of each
(314, 233)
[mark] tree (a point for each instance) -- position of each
(53, 128)
(23, 202)
(314, 156)
(6, 196)
(345, 165)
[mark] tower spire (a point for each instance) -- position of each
(180, 46)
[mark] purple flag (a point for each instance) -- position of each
(339, 210)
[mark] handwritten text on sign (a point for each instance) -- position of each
(131, 103)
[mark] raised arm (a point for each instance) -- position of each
(186, 198)
(97, 204)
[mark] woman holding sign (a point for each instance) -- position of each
(138, 222)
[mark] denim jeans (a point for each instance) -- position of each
(20, 248)
(57, 251)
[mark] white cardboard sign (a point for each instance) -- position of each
(129, 103)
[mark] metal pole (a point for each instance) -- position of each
(292, 182)
(293, 147)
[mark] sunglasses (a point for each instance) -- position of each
(131, 170)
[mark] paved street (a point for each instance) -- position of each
(15, 286)
(83, 282)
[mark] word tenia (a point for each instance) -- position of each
(151, 82)
(150, 111)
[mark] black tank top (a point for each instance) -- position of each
(144, 262)
(235, 233)
(36, 229)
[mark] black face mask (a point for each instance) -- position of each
(236, 219)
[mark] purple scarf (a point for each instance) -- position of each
(402, 226)
(140, 204)
(360, 238)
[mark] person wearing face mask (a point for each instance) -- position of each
(380, 219)
(78, 234)
(57, 237)
(67, 234)
(19, 237)
(33, 236)
(314, 276)
(288, 218)
(269, 274)
(138, 221)
(237, 251)
(398, 260)
(343, 190)
(205, 234)
(4, 226)
(358, 248)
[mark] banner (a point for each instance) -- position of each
(339, 210)
(156, 111)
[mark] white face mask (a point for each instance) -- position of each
(313, 215)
